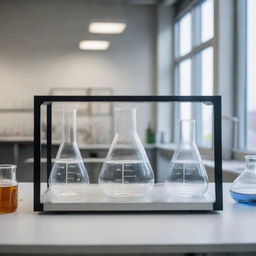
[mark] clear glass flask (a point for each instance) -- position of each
(187, 175)
(126, 171)
(8, 188)
(243, 189)
(68, 175)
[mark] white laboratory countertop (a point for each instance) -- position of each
(229, 165)
(232, 230)
(20, 139)
(234, 166)
(16, 139)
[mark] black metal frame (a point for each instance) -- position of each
(48, 100)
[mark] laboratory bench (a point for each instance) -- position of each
(25, 231)
(19, 151)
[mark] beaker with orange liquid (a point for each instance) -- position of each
(8, 188)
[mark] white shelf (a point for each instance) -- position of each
(15, 110)
(85, 160)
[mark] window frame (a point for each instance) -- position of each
(197, 47)
(241, 79)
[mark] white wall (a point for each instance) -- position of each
(38, 51)
(164, 67)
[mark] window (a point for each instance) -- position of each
(185, 87)
(194, 56)
(207, 21)
(185, 35)
(247, 73)
(251, 76)
(207, 89)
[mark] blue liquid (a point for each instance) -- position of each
(243, 198)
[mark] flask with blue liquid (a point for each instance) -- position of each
(243, 189)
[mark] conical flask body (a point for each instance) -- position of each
(68, 175)
(187, 175)
(126, 171)
(243, 189)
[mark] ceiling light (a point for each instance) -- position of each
(94, 45)
(107, 27)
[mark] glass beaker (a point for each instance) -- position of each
(187, 175)
(68, 175)
(8, 188)
(243, 189)
(126, 171)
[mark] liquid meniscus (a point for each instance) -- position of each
(187, 178)
(68, 177)
(68, 171)
(127, 178)
(128, 171)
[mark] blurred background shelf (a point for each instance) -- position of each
(16, 110)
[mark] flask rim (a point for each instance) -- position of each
(253, 157)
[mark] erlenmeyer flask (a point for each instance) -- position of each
(243, 188)
(126, 171)
(187, 175)
(68, 175)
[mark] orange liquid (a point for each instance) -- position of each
(8, 199)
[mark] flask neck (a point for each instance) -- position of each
(250, 163)
(125, 121)
(69, 126)
(187, 131)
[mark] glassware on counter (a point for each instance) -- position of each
(187, 175)
(8, 188)
(68, 175)
(243, 189)
(150, 135)
(126, 171)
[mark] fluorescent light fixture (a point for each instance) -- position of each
(92, 45)
(107, 27)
